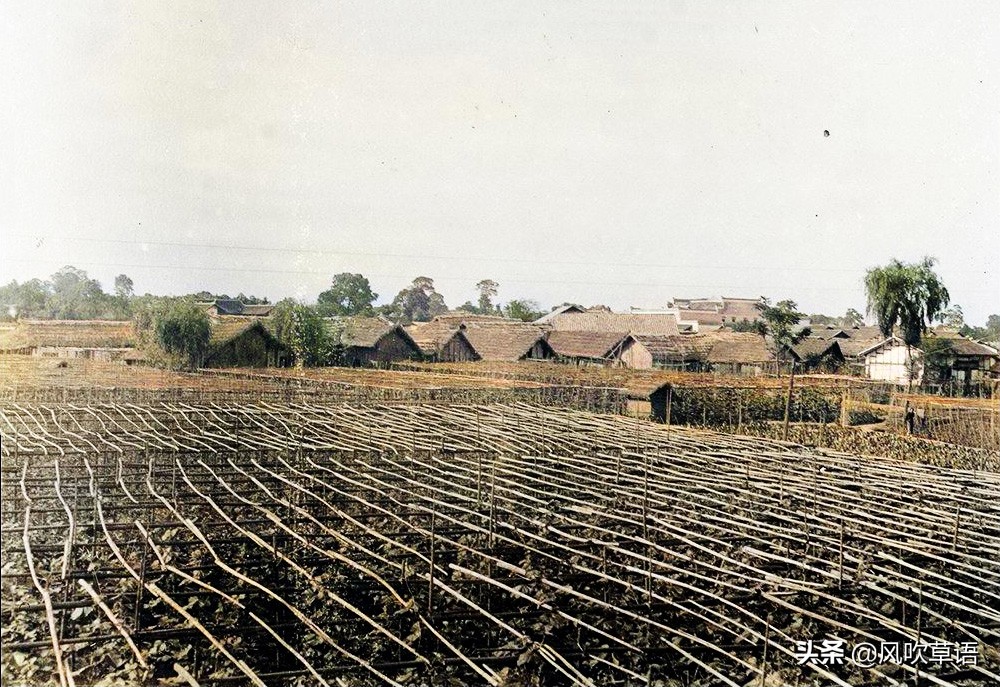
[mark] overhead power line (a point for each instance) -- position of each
(326, 274)
(427, 256)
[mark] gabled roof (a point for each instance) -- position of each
(747, 348)
(967, 347)
(362, 332)
(677, 349)
(561, 310)
(510, 340)
(68, 334)
(865, 332)
(456, 317)
(663, 324)
(593, 345)
(225, 329)
(956, 345)
(433, 336)
(883, 343)
(229, 306)
(816, 348)
(259, 310)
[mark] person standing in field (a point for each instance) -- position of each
(909, 419)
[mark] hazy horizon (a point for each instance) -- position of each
(622, 156)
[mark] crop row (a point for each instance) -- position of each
(473, 545)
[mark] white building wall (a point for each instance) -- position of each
(892, 364)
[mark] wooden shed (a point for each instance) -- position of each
(244, 342)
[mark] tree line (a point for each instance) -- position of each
(71, 294)
(900, 297)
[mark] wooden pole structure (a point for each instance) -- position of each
(788, 401)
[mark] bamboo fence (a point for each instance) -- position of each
(474, 544)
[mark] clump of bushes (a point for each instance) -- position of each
(864, 417)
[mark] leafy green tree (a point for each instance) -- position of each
(487, 290)
(419, 302)
(991, 332)
(817, 318)
(29, 299)
(936, 361)
(523, 309)
(852, 318)
(76, 296)
(349, 294)
(993, 328)
(952, 317)
(251, 299)
(910, 295)
(121, 301)
(746, 325)
(124, 287)
(780, 322)
(183, 329)
(301, 329)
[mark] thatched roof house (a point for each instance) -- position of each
(650, 324)
(740, 353)
(244, 342)
(442, 341)
(678, 352)
(818, 354)
(602, 348)
(720, 351)
(371, 341)
(508, 340)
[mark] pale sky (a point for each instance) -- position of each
(584, 152)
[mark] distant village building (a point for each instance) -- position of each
(108, 340)
(675, 352)
(961, 360)
(244, 342)
(818, 355)
(703, 315)
(604, 321)
(223, 307)
(442, 341)
(587, 348)
(853, 343)
(371, 341)
(508, 340)
(741, 353)
(717, 312)
(720, 351)
(556, 312)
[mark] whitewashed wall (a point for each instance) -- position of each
(891, 364)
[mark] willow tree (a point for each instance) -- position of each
(908, 295)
